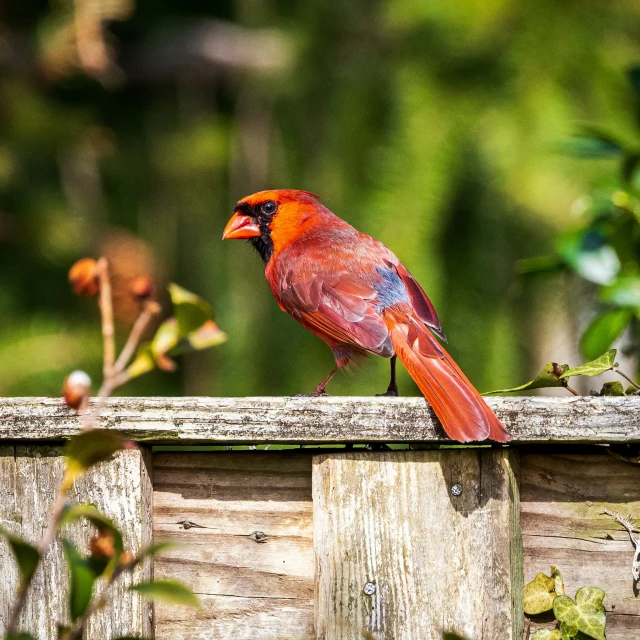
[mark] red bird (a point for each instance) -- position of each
(352, 292)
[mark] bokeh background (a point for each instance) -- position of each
(129, 128)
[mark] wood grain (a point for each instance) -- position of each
(120, 488)
(534, 419)
(245, 521)
(438, 562)
(562, 498)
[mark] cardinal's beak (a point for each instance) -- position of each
(241, 227)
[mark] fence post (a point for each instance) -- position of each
(410, 544)
(120, 488)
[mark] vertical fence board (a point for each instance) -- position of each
(120, 488)
(245, 524)
(437, 561)
(563, 497)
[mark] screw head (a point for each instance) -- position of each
(369, 589)
(456, 489)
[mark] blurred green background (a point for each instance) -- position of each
(129, 128)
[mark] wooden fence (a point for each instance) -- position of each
(330, 543)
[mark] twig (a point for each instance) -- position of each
(631, 529)
(626, 377)
(568, 388)
(149, 310)
(106, 311)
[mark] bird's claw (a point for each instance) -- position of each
(316, 394)
(389, 393)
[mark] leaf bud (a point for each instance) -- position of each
(76, 389)
(83, 277)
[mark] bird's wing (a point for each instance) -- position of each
(420, 302)
(339, 307)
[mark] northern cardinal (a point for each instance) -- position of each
(352, 292)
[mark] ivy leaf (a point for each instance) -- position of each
(595, 367)
(166, 338)
(613, 388)
(586, 614)
(191, 311)
(87, 448)
(539, 595)
(624, 292)
(170, 591)
(558, 579)
(83, 577)
(27, 556)
(603, 331)
(545, 379)
(547, 634)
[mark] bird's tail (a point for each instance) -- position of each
(463, 413)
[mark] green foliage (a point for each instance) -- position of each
(539, 595)
(604, 330)
(26, 555)
(83, 575)
(169, 591)
(584, 619)
(88, 448)
(547, 378)
(23, 635)
(586, 614)
(596, 367)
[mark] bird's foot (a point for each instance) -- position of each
(391, 392)
(318, 393)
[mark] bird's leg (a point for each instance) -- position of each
(319, 390)
(392, 389)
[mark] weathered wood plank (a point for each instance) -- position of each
(533, 419)
(438, 562)
(121, 488)
(246, 523)
(562, 498)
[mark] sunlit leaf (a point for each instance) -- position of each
(170, 591)
(90, 447)
(604, 331)
(143, 362)
(586, 251)
(556, 576)
(595, 367)
(83, 577)
(190, 310)
(208, 335)
(27, 556)
(624, 292)
(586, 613)
(545, 379)
(546, 634)
(613, 388)
(539, 595)
(166, 338)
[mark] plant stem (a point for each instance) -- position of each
(626, 377)
(149, 310)
(106, 311)
(568, 388)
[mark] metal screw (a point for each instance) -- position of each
(456, 489)
(369, 589)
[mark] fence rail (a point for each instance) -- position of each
(335, 545)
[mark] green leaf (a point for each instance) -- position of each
(546, 634)
(540, 265)
(158, 547)
(166, 338)
(190, 310)
(545, 379)
(452, 636)
(539, 595)
(595, 367)
(170, 591)
(586, 614)
(558, 580)
(22, 635)
(624, 292)
(87, 448)
(208, 335)
(587, 252)
(603, 331)
(568, 631)
(83, 577)
(27, 556)
(614, 388)
(143, 362)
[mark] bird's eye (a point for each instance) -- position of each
(269, 207)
